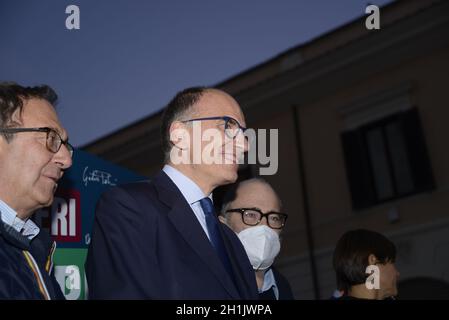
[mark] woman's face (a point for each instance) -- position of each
(388, 280)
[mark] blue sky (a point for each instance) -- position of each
(131, 56)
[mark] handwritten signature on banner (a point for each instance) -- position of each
(97, 176)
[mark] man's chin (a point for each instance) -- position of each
(232, 173)
(47, 201)
(224, 174)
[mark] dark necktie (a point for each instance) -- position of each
(214, 232)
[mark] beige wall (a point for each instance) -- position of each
(326, 177)
(328, 191)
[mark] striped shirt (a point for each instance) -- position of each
(27, 228)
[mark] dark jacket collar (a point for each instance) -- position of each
(191, 229)
(14, 237)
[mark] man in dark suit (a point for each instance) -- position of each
(252, 209)
(34, 152)
(161, 239)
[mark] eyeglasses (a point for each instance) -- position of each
(53, 142)
(232, 127)
(253, 216)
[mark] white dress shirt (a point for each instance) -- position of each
(191, 192)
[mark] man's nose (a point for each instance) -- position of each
(63, 157)
(264, 221)
(241, 142)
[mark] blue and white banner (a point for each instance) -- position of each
(70, 218)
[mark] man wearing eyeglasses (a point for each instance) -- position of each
(162, 239)
(34, 152)
(252, 209)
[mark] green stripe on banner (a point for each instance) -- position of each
(69, 272)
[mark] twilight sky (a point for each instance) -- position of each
(131, 56)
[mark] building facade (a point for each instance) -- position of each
(362, 120)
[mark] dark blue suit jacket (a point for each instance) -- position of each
(17, 279)
(285, 290)
(148, 244)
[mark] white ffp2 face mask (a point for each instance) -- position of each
(261, 244)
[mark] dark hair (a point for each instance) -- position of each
(12, 96)
(230, 193)
(176, 108)
(351, 256)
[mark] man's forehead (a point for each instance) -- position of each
(40, 113)
(256, 191)
(35, 107)
(217, 103)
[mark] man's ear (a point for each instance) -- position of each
(179, 135)
(222, 219)
(372, 260)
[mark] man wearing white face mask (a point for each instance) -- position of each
(252, 210)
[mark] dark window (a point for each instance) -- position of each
(387, 159)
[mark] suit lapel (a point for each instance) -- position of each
(186, 223)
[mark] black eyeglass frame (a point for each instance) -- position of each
(262, 215)
(226, 119)
(46, 130)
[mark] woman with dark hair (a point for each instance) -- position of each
(355, 252)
